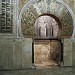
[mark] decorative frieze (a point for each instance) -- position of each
(6, 23)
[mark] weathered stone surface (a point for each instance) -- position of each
(67, 25)
(28, 21)
(71, 4)
(21, 56)
(17, 54)
(67, 52)
(21, 4)
(27, 53)
(73, 54)
(6, 54)
(41, 71)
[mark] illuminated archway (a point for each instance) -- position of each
(47, 27)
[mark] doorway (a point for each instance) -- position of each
(46, 45)
(47, 52)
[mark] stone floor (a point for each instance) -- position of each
(42, 71)
(47, 63)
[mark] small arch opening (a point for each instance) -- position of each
(47, 26)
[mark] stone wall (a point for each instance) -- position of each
(73, 53)
(22, 53)
(21, 4)
(6, 54)
(27, 53)
(67, 52)
(15, 53)
(71, 4)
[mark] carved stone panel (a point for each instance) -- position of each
(35, 9)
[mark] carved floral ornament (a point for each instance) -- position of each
(40, 7)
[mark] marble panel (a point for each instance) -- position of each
(27, 53)
(17, 54)
(6, 54)
(67, 52)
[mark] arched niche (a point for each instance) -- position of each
(47, 26)
(34, 9)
